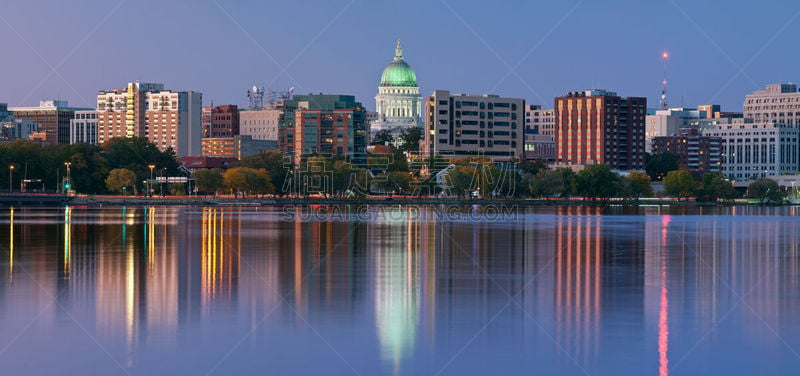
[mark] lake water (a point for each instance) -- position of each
(399, 291)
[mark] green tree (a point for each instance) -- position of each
(258, 182)
(766, 191)
(679, 183)
(713, 187)
(177, 189)
(275, 164)
(410, 138)
(659, 165)
(236, 180)
(120, 179)
(209, 180)
(395, 182)
(532, 166)
(640, 185)
(460, 180)
(569, 181)
(137, 154)
(597, 182)
(383, 137)
(546, 183)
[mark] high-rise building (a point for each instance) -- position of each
(539, 121)
(261, 124)
(460, 125)
(778, 104)
(53, 118)
(169, 119)
(699, 153)
(398, 101)
(325, 125)
(220, 121)
(753, 149)
(83, 128)
(599, 127)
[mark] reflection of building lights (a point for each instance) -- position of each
(397, 300)
(663, 312)
(67, 239)
(130, 295)
(11, 247)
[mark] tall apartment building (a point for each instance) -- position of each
(83, 128)
(752, 149)
(323, 124)
(599, 127)
(261, 124)
(460, 125)
(53, 118)
(169, 119)
(700, 153)
(220, 121)
(541, 121)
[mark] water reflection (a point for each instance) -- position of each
(560, 290)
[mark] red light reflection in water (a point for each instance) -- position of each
(663, 323)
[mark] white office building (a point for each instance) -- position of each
(83, 128)
(756, 149)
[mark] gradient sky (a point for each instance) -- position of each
(720, 49)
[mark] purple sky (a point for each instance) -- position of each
(536, 50)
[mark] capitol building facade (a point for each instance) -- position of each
(398, 102)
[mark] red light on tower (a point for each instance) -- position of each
(665, 55)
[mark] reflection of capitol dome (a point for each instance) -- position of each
(398, 102)
(398, 72)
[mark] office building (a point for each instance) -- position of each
(778, 104)
(169, 119)
(460, 126)
(753, 149)
(540, 146)
(261, 124)
(220, 121)
(323, 124)
(600, 127)
(83, 128)
(668, 122)
(53, 118)
(539, 121)
(699, 153)
(238, 147)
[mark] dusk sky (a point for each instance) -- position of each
(720, 50)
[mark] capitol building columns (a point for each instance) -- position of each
(398, 101)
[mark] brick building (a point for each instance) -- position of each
(599, 127)
(700, 153)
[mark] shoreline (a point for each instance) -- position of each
(58, 200)
(310, 201)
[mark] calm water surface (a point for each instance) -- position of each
(399, 291)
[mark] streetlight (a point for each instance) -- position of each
(68, 185)
(149, 190)
(10, 177)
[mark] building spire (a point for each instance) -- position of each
(398, 53)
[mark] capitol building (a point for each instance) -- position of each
(398, 102)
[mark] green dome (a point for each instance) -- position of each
(398, 72)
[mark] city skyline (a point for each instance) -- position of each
(534, 51)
